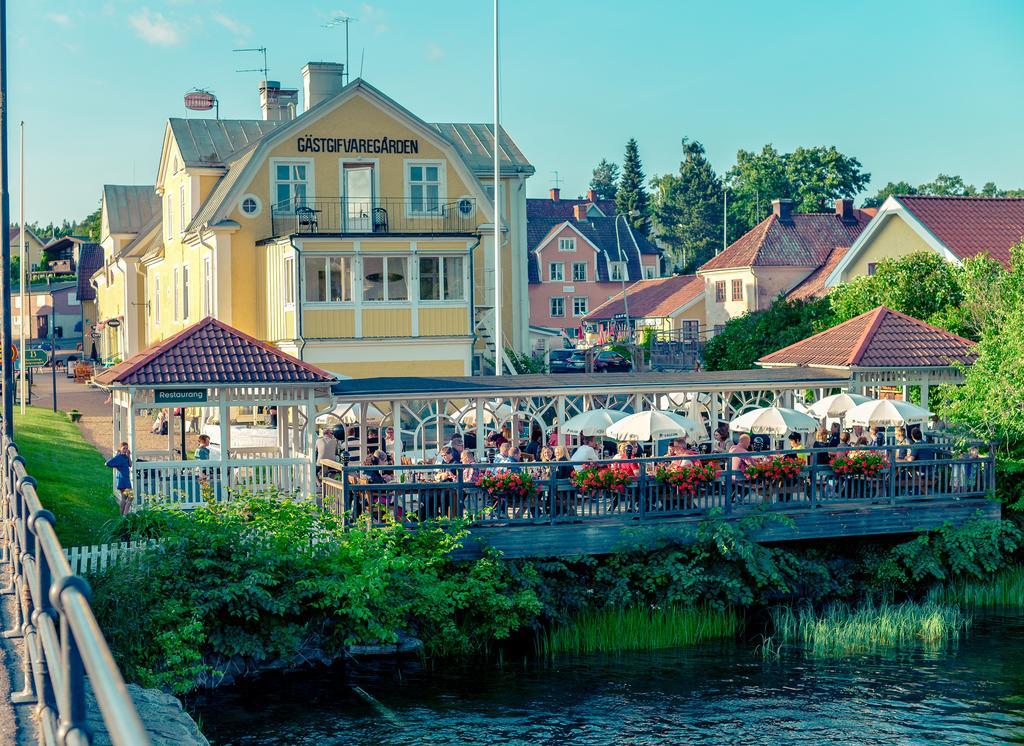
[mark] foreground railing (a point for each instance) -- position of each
(62, 641)
(414, 493)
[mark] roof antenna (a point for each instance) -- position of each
(338, 21)
(265, 69)
(557, 181)
(362, 59)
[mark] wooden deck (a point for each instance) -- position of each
(824, 521)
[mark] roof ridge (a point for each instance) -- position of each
(861, 346)
(932, 327)
(978, 197)
(848, 322)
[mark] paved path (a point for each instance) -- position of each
(16, 724)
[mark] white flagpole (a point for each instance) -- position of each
(499, 350)
(23, 273)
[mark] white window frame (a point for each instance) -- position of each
(156, 300)
(326, 258)
(177, 300)
(440, 279)
(259, 206)
(384, 265)
(170, 216)
(309, 163)
(186, 281)
(649, 272)
(585, 272)
(442, 185)
(561, 272)
(207, 286)
(288, 275)
(551, 306)
(612, 266)
(567, 243)
(586, 305)
(181, 212)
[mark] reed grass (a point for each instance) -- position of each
(639, 628)
(839, 630)
(1004, 590)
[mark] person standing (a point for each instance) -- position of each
(121, 462)
(585, 454)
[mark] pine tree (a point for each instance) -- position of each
(687, 208)
(603, 180)
(631, 196)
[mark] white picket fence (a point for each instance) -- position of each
(87, 560)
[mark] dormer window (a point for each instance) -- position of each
(616, 271)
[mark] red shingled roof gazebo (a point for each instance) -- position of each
(882, 348)
(257, 404)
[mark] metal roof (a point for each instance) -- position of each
(475, 145)
(220, 192)
(129, 206)
(90, 259)
(383, 389)
(212, 142)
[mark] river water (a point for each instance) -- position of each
(970, 693)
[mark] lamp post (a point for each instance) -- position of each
(622, 277)
(5, 239)
(499, 351)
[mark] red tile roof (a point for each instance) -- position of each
(805, 241)
(968, 226)
(651, 298)
(813, 286)
(881, 338)
(211, 352)
(562, 209)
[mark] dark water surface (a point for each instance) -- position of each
(972, 693)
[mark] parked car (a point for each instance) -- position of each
(610, 361)
(565, 361)
(41, 344)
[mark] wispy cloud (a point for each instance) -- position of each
(154, 28)
(236, 27)
(375, 18)
(434, 53)
(61, 19)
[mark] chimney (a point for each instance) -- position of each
(844, 211)
(554, 194)
(591, 197)
(277, 104)
(579, 212)
(320, 81)
(783, 210)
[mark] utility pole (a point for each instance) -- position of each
(499, 350)
(53, 342)
(725, 220)
(5, 237)
(22, 274)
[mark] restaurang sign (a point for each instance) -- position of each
(310, 144)
(179, 396)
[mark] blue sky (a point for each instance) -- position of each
(910, 88)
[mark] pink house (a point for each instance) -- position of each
(581, 255)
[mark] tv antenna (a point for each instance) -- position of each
(334, 23)
(265, 69)
(557, 181)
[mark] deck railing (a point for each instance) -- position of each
(189, 484)
(414, 493)
(62, 641)
(382, 216)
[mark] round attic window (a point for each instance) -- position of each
(250, 205)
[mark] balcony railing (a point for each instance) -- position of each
(382, 216)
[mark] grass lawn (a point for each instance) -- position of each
(73, 481)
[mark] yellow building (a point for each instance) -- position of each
(355, 236)
(673, 307)
(33, 247)
(955, 228)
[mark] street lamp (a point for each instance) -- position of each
(622, 260)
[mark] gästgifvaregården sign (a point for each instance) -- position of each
(309, 144)
(179, 396)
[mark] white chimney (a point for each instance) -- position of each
(277, 104)
(321, 80)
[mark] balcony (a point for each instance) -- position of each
(385, 216)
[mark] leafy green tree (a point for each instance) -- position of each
(631, 197)
(922, 285)
(746, 339)
(605, 179)
(687, 208)
(818, 176)
(893, 187)
(945, 185)
(755, 180)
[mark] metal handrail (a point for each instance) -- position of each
(63, 641)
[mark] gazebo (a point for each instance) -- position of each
(257, 405)
(882, 348)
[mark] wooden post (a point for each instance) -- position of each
(224, 414)
(396, 423)
(560, 411)
(362, 432)
(480, 428)
(713, 411)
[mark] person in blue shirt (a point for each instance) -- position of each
(121, 462)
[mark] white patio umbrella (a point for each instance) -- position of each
(886, 413)
(835, 406)
(348, 414)
(493, 412)
(595, 422)
(774, 421)
(652, 425)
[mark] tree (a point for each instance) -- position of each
(746, 339)
(687, 208)
(604, 179)
(945, 185)
(922, 285)
(755, 180)
(893, 187)
(631, 197)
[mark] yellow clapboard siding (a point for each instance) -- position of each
(329, 323)
(393, 368)
(387, 322)
(442, 322)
